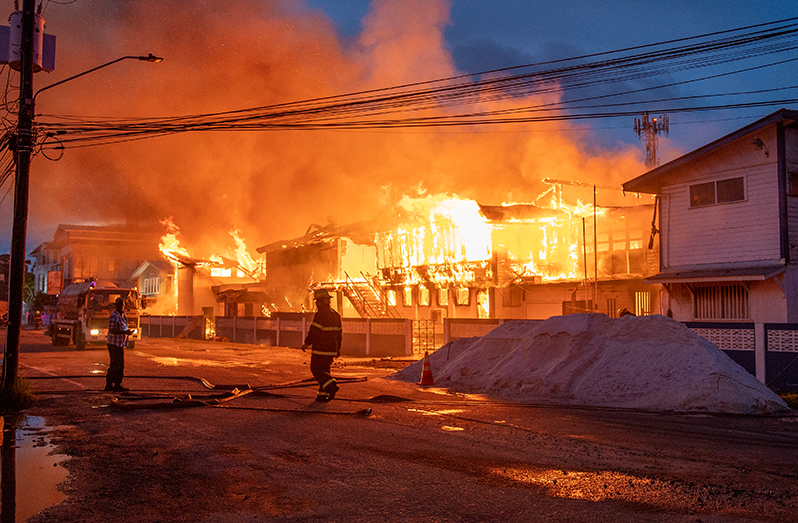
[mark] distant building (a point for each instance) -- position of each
(81, 253)
(728, 225)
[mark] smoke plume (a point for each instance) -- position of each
(270, 185)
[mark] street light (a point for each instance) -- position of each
(23, 149)
(149, 58)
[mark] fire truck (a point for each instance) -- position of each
(83, 311)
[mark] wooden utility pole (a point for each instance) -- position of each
(23, 146)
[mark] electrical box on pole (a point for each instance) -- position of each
(11, 40)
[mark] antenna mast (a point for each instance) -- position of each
(651, 127)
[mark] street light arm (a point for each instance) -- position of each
(149, 58)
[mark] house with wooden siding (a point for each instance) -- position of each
(728, 225)
(728, 230)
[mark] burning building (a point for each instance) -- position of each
(445, 256)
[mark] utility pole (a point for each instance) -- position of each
(651, 127)
(22, 151)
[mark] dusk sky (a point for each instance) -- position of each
(271, 185)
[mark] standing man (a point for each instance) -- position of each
(117, 341)
(324, 336)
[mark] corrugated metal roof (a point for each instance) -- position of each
(759, 273)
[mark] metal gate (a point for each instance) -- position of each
(423, 336)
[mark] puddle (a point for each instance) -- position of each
(29, 468)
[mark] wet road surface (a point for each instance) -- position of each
(277, 454)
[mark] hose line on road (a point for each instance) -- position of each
(150, 401)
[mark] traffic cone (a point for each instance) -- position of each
(426, 374)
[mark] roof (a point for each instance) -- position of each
(651, 182)
(360, 232)
(162, 265)
(517, 212)
(758, 273)
(242, 296)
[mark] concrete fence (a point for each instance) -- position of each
(769, 351)
(173, 326)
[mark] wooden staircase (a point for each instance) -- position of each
(365, 297)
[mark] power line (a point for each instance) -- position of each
(432, 103)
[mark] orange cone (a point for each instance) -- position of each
(426, 374)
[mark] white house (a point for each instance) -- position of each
(728, 225)
(728, 222)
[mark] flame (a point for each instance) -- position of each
(170, 245)
(446, 240)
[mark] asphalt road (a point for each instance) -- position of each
(163, 453)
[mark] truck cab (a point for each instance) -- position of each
(84, 309)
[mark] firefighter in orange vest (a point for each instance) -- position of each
(324, 336)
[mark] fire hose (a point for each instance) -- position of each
(133, 401)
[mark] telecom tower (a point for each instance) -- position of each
(651, 127)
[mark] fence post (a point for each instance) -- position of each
(277, 336)
(235, 329)
(255, 331)
(447, 335)
(408, 337)
(760, 355)
(368, 336)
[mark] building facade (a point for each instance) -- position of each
(728, 225)
(80, 253)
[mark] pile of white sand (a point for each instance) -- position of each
(650, 362)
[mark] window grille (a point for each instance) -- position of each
(721, 302)
(612, 312)
(643, 303)
(152, 285)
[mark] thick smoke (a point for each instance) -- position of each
(271, 185)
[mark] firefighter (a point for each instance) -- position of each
(324, 338)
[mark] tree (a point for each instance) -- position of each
(5, 265)
(38, 301)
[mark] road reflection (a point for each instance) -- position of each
(27, 448)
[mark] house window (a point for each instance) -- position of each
(720, 302)
(390, 297)
(443, 297)
(423, 296)
(113, 265)
(462, 296)
(722, 191)
(407, 296)
(483, 304)
(85, 267)
(513, 296)
(792, 183)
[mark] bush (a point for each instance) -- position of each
(18, 398)
(791, 399)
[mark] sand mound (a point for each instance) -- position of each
(651, 363)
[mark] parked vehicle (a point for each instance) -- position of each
(83, 311)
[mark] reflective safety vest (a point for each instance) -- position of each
(325, 333)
